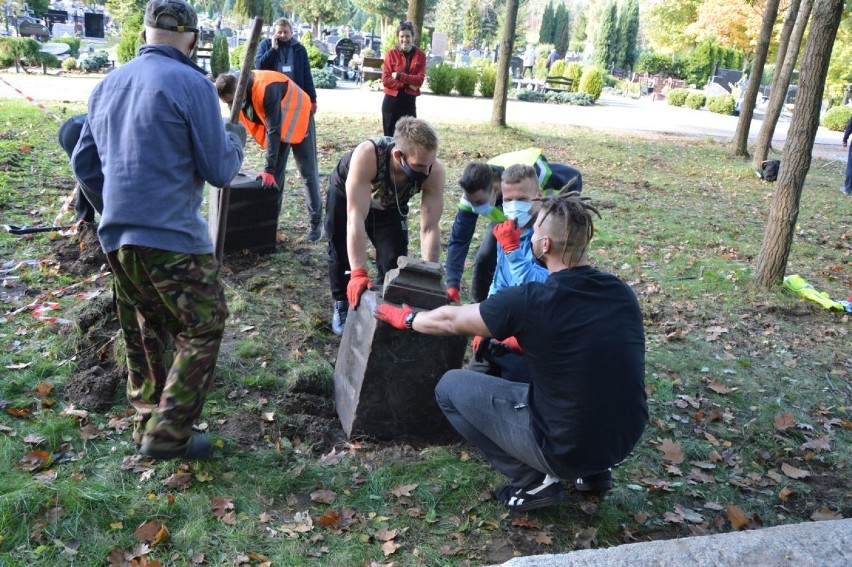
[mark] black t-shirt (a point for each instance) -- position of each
(582, 335)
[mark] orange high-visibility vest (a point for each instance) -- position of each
(295, 109)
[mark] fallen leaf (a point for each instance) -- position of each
(671, 451)
(585, 538)
(448, 551)
(786, 493)
(90, 431)
(403, 490)
(526, 522)
(385, 534)
(44, 389)
(264, 518)
(33, 439)
(178, 480)
(818, 444)
(737, 517)
(8, 431)
(332, 458)
(35, 460)
(718, 387)
(640, 518)
(18, 412)
(793, 472)
(230, 518)
(151, 532)
(689, 515)
(543, 538)
(329, 519)
(390, 547)
(784, 421)
(323, 496)
(826, 514)
(221, 506)
(711, 439)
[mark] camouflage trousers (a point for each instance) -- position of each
(157, 294)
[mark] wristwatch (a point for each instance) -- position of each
(409, 320)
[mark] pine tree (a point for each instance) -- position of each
(605, 44)
(578, 35)
(472, 23)
(548, 24)
(630, 35)
(220, 62)
(561, 31)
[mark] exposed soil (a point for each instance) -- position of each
(80, 255)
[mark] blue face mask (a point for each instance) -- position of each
(519, 211)
(482, 210)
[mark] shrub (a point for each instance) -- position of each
(324, 79)
(531, 96)
(695, 100)
(237, 55)
(837, 117)
(591, 82)
(69, 64)
(721, 104)
(558, 67)
(677, 97)
(14, 49)
(574, 71)
(441, 78)
(72, 42)
(95, 62)
(564, 97)
(130, 41)
(466, 79)
(318, 59)
(219, 60)
(488, 82)
(368, 52)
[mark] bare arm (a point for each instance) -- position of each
(362, 170)
(452, 320)
(432, 206)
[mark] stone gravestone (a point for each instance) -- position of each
(343, 50)
(516, 66)
(384, 379)
(252, 215)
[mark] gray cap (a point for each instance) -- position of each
(172, 15)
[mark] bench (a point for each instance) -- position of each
(557, 83)
(371, 68)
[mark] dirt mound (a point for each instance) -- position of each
(80, 254)
(93, 388)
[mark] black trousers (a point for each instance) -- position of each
(387, 230)
(395, 107)
(484, 266)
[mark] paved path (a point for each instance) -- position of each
(817, 544)
(613, 114)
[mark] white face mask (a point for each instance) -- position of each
(519, 211)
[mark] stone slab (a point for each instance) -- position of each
(252, 215)
(415, 283)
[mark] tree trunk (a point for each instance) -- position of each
(507, 45)
(416, 11)
(796, 160)
(778, 94)
(750, 96)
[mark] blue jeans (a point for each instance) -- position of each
(305, 153)
(493, 414)
(847, 185)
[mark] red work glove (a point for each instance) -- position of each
(453, 295)
(509, 344)
(313, 108)
(359, 281)
(393, 315)
(508, 235)
(477, 342)
(267, 180)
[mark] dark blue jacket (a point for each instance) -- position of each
(293, 54)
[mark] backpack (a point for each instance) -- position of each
(770, 170)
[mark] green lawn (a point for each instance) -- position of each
(749, 391)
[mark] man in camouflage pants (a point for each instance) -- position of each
(152, 138)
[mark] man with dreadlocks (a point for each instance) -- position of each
(581, 331)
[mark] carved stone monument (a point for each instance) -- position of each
(384, 379)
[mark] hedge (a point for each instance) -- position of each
(488, 82)
(836, 118)
(695, 100)
(466, 78)
(441, 78)
(677, 97)
(592, 82)
(721, 104)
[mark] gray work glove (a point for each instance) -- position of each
(238, 130)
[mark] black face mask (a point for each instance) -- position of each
(415, 176)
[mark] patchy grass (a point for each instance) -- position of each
(747, 389)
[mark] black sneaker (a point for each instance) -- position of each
(338, 316)
(316, 231)
(544, 492)
(598, 482)
(198, 448)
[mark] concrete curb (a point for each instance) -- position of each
(823, 544)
